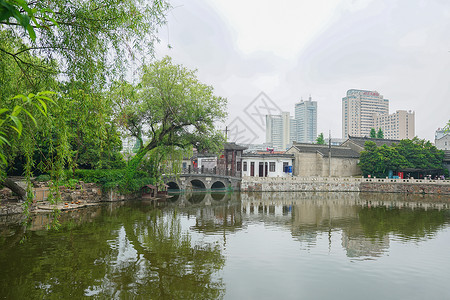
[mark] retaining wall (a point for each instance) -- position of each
(344, 184)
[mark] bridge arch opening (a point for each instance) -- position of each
(173, 186)
(197, 184)
(218, 185)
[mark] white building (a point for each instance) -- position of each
(267, 165)
(442, 139)
(306, 121)
(358, 110)
(397, 126)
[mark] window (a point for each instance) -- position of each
(271, 166)
(245, 167)
(285, 165)
(238, 166)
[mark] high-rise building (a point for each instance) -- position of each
(306, 121)
(279, 130)
(358, 112)
(397, 126)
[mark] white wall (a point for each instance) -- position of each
(279, 172)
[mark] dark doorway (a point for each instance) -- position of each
(261, 169)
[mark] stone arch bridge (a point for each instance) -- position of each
(189, 182)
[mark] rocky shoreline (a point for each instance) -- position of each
(80, 195)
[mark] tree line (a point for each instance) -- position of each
(407, 154)
(66, 105)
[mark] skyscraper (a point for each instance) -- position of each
(306, 121)
(279, 130)
(358, 112)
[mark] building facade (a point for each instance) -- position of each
(306, 121)
(358, 111)
(279, 130)
(442, 139)
(267, 165)
(324, 161)
(399, 125)
(443, 143)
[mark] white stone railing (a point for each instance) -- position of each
(342, 179)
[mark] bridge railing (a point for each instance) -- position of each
(211, 171)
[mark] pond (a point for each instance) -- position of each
(235, 246)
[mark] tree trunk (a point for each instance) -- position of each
(18, 190)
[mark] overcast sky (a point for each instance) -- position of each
(290, 50)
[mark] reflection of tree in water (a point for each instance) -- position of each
(125, 253)
(173, 268)
(408, 223)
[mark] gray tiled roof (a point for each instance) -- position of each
(233, 146)
(360, 141)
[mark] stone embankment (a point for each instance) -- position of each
(344, 184)
(81, 195)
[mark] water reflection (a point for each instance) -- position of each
(180, 248)
(364, 220)
(114, 251)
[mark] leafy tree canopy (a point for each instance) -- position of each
(172, 109)
(320, 140)
(415, 153)
(380, 134)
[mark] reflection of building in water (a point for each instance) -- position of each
(213, 216)
(359, 246)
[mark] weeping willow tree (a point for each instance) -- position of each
(73, 48)
(173, 110)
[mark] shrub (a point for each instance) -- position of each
(114, 178)
(43, 177)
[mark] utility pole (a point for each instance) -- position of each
(329, 154)
(226, 133)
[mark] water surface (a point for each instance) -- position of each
(235, 246)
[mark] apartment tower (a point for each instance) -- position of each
(396, 126)
(358, 112)
(306, 121)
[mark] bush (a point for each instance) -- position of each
(114, 179)
(42, 178)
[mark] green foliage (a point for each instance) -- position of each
(105, 35)
(19, 10)
(416, 153)
(380, 134)
(14, 118)
(173, 110)
(115, 179)
(43, 178)
(373, 133)
(320, 140)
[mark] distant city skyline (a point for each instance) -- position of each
(282, 130)
(324, 48)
